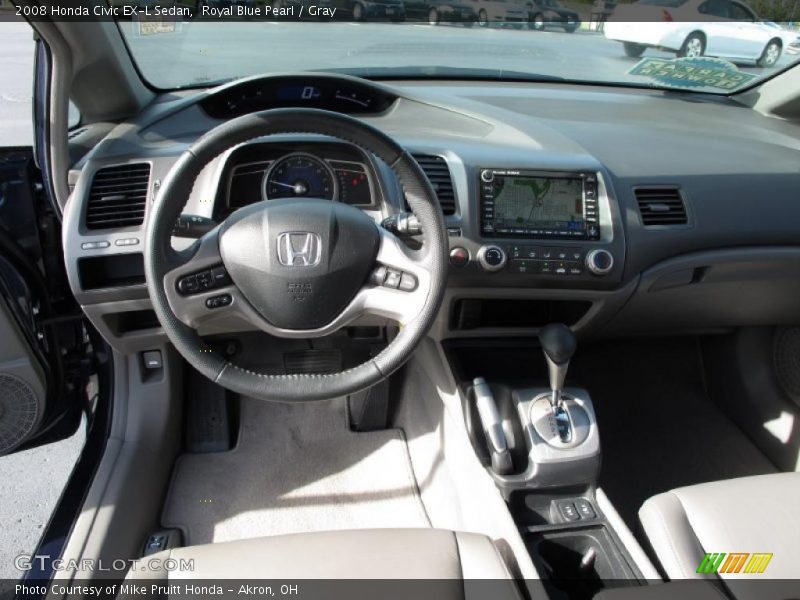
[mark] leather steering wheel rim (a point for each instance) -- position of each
(160, 258)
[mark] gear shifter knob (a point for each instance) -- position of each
(558, 343)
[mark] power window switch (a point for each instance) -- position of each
(585, 508)
(568, 511)
(152, 359)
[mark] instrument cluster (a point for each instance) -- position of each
(270, 171)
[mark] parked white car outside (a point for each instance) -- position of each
(723, 28)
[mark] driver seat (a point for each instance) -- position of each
(389, 554)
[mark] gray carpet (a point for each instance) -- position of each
(296, 468)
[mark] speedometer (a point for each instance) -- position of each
(299, 175)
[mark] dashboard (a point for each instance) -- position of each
(616, 211)
(337, 94)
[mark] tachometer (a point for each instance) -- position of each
(299, 175)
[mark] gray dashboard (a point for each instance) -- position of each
(733, 259)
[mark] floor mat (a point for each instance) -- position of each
(658, 428)
(296, 468)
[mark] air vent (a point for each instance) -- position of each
(438, 173)
(118, 197)
(661, 206)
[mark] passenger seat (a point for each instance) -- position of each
(742, 517)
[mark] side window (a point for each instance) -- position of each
(741, 13)
(16, 84)
(715, 8)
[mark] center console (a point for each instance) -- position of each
(552, 228)
(541, 445)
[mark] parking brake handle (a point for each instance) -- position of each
(492, 427)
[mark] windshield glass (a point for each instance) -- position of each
(647, 43)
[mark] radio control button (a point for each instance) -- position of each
(524, 267)
(599, 261)
(487, 175)
(492, 258)
(575, 254)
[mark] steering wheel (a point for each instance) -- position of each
(294, 268)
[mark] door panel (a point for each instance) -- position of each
(43, 347)
(23, 382)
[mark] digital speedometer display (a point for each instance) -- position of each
(299, 176)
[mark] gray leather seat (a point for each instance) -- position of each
(747, 515)
(417, 554)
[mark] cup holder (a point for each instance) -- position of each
(577, 564)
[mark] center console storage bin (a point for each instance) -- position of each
(576, 563)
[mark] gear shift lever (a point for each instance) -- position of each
(559, 345)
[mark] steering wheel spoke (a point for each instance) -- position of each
(400, 283)
(198, 287)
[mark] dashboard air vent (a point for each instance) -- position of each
(661, 206)
(438, 173)
(118, 196)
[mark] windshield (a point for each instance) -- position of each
(602, 42)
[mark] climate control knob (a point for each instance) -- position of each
(492, 258)
(599, 261)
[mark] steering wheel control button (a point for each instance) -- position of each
(492, 258)
(599, 261)
(127, 242)
(219, 301)
(378, 276)
(220, 277)
(204, 281)
(187, 285)
(459, 257)
(393, 278)
(408, 283)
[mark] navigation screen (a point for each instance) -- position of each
(536, 204)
